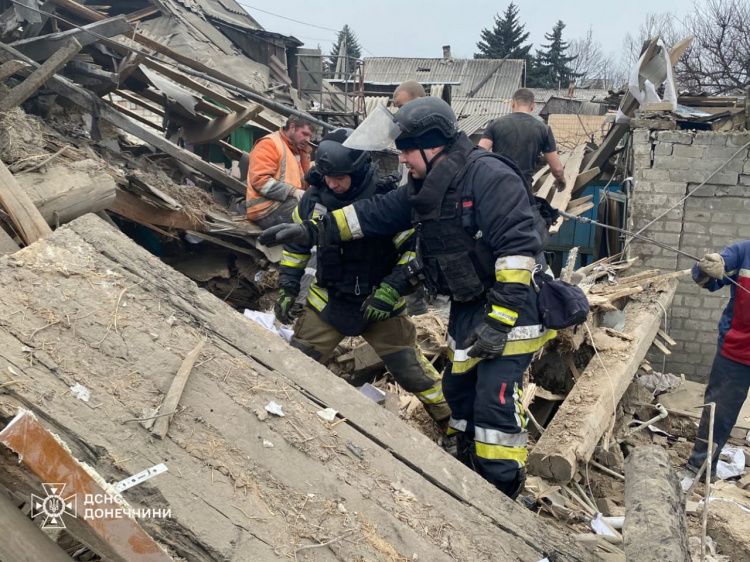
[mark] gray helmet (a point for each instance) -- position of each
(426, 123)
(334, 159)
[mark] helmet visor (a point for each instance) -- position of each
(377, 131)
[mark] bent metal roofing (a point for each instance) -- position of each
(467, 74)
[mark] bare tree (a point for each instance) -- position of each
(719, 58)
(590, 63)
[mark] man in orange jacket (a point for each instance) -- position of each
(275, 179)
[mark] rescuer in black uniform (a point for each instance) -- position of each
(355, 292)
(476, 241)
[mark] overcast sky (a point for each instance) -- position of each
(418, 28)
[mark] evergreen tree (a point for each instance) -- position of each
(353, 51)
(506, 39)
(550, 68)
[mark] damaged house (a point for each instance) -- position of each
(176, 428)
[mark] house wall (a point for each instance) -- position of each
(667, 165)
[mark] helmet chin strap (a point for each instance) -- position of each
(430, 162)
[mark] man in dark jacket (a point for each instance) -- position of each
(354, 294)
(476, 242)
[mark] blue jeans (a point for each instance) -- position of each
(728, 385)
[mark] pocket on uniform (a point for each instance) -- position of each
(461, 276)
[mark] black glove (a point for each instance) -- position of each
(290, 233)
(286, 309)
(487, 342)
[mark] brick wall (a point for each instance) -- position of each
(668, 165)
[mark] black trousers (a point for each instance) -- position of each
(728, 384)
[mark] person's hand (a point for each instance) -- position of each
(712, 265)
(297, 194)
(487, 342)
(286, 309)
(380, 304)
(289, 233)
(560, 183)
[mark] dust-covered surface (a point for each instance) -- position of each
(86, 305)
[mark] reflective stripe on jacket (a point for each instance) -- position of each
(275, 169)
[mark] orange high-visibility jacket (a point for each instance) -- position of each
(275, 169)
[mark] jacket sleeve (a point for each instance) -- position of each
(398, 278)
(734, 256)
(294, 257)
(383, 215)
(505, 217)
(263, 166)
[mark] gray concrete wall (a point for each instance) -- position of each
(668, 165)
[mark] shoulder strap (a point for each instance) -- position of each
(475, 155)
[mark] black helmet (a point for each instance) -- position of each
(426, 123)
(334, 159)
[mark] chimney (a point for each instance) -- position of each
(447, 52)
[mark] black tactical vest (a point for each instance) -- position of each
(353, 268)
(456, 260)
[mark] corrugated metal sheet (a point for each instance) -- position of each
(474, 124)
(372, 102)
(542, 95)
(467, 74)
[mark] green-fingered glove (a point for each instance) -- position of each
(285, 309)
(380, 304)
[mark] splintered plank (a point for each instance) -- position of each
(137, 210)
(560, 199)
(117, 538)
(172, 399)
(27, 219)
(548, 186)
(91, 103)
(584, 178)
(231, 496)
(585, 416)
(11, 67)
(220, 127)
(40, 48)
(34, 81)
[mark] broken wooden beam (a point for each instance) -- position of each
(95, 105)
(73, 203)
(214, 452)
(41, 454)
(42, 74)
(92, 15)
(219, 127)
(137, 210)
(586, 414)
(27, 219)
(655, 523)
(172, 399)
(9, 68)
(560, 199)
(584, 178)
(42, 47)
